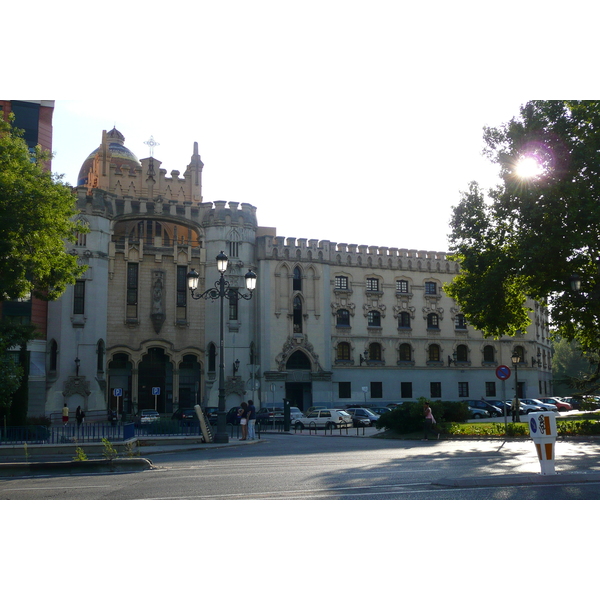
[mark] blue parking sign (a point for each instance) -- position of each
(156, 391)
(118, 392)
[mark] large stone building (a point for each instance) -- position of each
(329, 323)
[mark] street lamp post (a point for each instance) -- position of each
(515, 361)
(221, 291)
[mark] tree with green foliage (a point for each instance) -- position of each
(538, 231)
(37, 213)
(37, 217)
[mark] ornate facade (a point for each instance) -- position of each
(329, 323)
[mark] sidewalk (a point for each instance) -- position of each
(59, 458)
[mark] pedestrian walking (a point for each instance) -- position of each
(65, 414)
(243, 414)
(429, 422)
(515, 408)
(251, 420)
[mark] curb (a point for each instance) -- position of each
(515, 480)
(74, 467)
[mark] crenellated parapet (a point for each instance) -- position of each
(220, 213)
(311, 250)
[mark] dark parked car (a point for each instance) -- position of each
(212, 413)
(484, 405)
(364, 413)
(380, 410)
(185, 415)
(269, 413)
(232, 416)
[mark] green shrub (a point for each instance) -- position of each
(585, 427)
(109, 452)
(80, 455)
(408, 417)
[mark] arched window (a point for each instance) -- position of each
(53, 355)
(489, 354)
(212, 358)
(404, 320)
(343, 318)
(433, 321)
(520, 353)
(297, 315)
(100, 350)
(462, 353)
(375, 352)
(374, 318)
(343, 351)
(297, 281)
(405, 353)
(433, 353)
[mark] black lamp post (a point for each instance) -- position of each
(221, 291)
(516, 359)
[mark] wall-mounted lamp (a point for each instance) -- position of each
(452, 359)
(236, 366)
(364, 357)
(537, 362)
(77, 363)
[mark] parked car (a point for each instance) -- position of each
(365, 413)
(328, 417)
(358, 421)
(232, 416)
(269, 413)
(380, 410)
(500, 404)
(478, 413)
(295, 414)
(532, 405)
(560, 404)
(212, 414)
(184, 415)
(148, 416)
(485, 405)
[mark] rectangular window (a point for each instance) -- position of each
(233, 307)
(435, 389)
(490, 388)
(402, 286)
(372, 284)
(463, 389)
(406, 389)
(376, 389)
(79, 298)
(344, 389)
(431, 288)
(132, 283)
(181, 286)
(341, 282)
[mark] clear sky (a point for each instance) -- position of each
(349, 121)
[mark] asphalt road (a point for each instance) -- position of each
(337, 467)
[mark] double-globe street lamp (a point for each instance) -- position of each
(221, 290)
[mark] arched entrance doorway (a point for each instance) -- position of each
(298, 387)
(156, 375)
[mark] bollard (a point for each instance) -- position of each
(542, 429)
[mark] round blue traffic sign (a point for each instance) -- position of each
(502, 372)
(532, 425)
